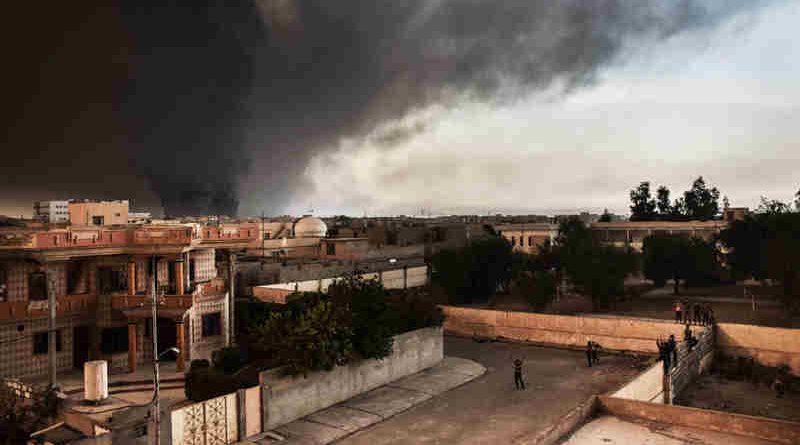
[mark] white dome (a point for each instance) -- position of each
(310, 227)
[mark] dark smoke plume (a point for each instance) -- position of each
(219, 93)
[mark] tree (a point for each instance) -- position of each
(477, 271)
(772, 206)
(663, 203)
(664, 258)
(369, 314)
(643, 206)
(606, 216)
(766, 245)
(797, 200)
(597, 270)
(701, 202)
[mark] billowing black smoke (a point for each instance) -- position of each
(253, 90)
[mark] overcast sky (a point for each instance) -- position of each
(723, 103)
(386, 107)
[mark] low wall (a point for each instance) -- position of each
(768, 346)
(567, 423)
(691, 364)
(613, 333)
(219, 416)
(758, 427)
(646, 387)
(391, 279)
(287, 398)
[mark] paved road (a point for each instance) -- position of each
(488, 410)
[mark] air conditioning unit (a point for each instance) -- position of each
(95, 381)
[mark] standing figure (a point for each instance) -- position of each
(707, 314)
(696, 310)
(678, 308)
(711, 319)
(518, 382)
(687, 333)
(663, 353)
(589, 353)
(595, 352)
(673, 350)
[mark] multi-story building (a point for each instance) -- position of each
(51, 211)
(98, 213)
(102, 280)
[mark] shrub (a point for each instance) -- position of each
(409, 313)
(369, 314)
(227, 360)
(315, 338)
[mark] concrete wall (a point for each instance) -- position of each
(287, 398)
(691, 364)
(768, 346)
(613, 333)
(188, 422)
(646, 387)
(391, 279)
(758, 427)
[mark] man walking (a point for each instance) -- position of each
(518, 382)
(595, 353)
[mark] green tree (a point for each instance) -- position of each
(369, 314)
(664, 258)
(597, 270)
(475, 272)
(665, 209)
(701, 202)
(766, 245)
(606, 216)
(643, 206)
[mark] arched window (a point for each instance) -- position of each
(513, 241)
(530, 241)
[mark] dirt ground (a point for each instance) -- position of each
(489, 410)
(718, 393)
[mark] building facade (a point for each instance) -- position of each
(52, 212)
(98, 213)
(527, 237)
(103, 281)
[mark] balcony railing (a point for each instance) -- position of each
(19, 310)
(135, 301)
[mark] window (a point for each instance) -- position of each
(212, 324)
(513, 241)
(331, 248)
(114, 340)
(267, 235)
(37, 286)
(98, 220)
(530, 241)
(41, 342)
(117, 215)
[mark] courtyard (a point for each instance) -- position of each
(489, 409)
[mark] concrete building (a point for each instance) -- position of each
(98, 213)
(633, 233)
(102, 280)
(527, 237)
(140, 217)
(52, 212)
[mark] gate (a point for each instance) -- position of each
(211, 422)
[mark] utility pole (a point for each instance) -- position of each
(51, 328)
(156, 411)
(262, 235)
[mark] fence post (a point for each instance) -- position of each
(241, 413)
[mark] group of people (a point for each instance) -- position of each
(693, 313)
(592, 358)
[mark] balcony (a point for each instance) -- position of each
(181, 302)
(20, 310)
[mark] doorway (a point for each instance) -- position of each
(167, 337)
(80, 346)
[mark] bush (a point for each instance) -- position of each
(227, 360)
(410, 313)
(204, 382)
(369, 314)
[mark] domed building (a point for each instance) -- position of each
(310, 227)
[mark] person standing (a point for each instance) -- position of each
(589, 353)
(596, 353)
(678, 308)
(696, 310)
(673, 350)
(519, 383)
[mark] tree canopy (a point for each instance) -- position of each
(699, 202)
(680, 257)
(474, 273)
